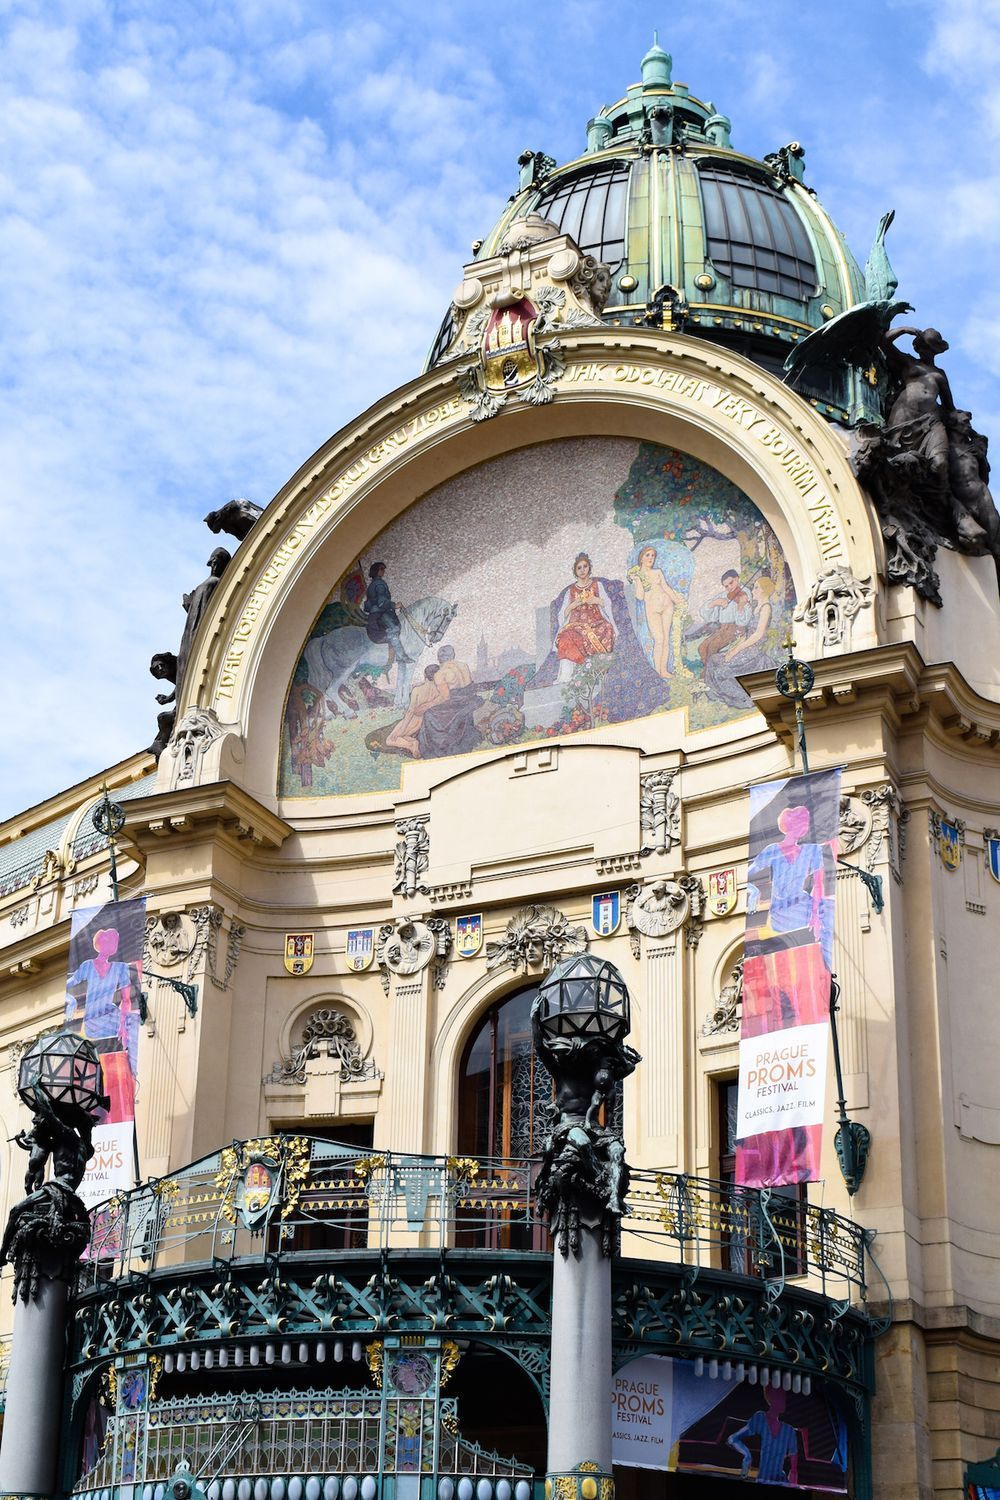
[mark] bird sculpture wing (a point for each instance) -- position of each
(881, 280)
(850, 339)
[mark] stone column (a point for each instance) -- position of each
(579, 1021)
(580, 1382)
(30, 1447)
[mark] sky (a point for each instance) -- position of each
(227, 229)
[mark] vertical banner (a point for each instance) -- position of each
(102, 1004)
(788, 959)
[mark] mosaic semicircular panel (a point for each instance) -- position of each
(583, 582)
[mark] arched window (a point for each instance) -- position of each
(504, 1091)
(590, 206)
(754, 235)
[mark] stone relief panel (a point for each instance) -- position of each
(536, 936)
(659, 812)
(327, 1032)
(582, 582)
(661, 907)
(832, 605)
(406, 946)
(412, 854)
(728, 1008)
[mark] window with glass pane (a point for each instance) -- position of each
(787, 1207)
(754, 235)
(590, 207)
(445, 334)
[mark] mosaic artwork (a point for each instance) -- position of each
(582, 582)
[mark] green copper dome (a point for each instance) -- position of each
(719, 244)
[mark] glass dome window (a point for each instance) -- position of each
(445, 334)
(590, 207)
(755, 237)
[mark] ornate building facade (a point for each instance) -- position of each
(484, 686)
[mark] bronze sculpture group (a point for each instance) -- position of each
(237, 518)
(924, 464)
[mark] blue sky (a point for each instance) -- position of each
(225, 229)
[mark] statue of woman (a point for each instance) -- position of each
(916, 417)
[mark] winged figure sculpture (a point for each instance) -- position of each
(854, 337)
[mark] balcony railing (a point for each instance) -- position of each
(287, 1195)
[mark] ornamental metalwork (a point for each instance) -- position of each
(290, 1157)
(252, 1440)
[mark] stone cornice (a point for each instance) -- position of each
(895, 682)
(219, 811)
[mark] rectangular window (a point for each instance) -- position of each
(742, 1232)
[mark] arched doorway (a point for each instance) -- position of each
(504, 1092)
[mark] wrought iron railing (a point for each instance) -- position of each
(286, 1195)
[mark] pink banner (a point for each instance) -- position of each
(788, 958)
(102, 1004)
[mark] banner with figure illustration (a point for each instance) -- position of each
(725, 1420)
(103, 990)
(787, 966)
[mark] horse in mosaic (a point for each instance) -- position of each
(332, 659)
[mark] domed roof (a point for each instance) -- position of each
(696, 235)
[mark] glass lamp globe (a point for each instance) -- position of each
(66, 1069)
(584, 997)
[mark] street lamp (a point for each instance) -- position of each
(64, 1070)
(59, 1079)
(580, 1018)
(584, 998)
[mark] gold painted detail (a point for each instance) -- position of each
(289, 1152)
(450, 1356)
(155, 1371)
(366, 1165)
(375, 1355)
(466, 1167)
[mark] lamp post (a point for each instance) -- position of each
(59, 1079)
(579, 1020)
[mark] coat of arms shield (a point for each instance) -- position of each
(300, 949)
(722, 891)
(257, 1190)
(360, 948)
(993, 855)
(469, 934)
(950, 845)
(606, 913)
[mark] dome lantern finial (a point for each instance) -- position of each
(657, 66)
